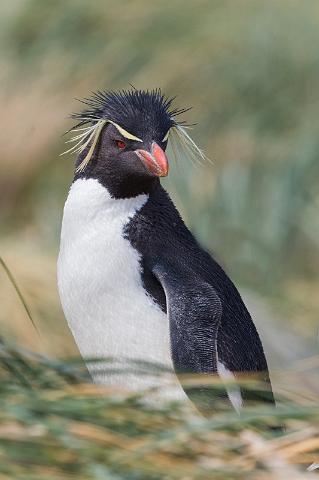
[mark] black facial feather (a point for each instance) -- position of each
(143, 113)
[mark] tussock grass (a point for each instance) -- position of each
(55, 424)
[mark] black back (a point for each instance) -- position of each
(160, 235)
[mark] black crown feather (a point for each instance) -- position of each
(137, 111)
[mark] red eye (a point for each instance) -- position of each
(120, 144)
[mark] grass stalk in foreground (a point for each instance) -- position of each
(54, 424)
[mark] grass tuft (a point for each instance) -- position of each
(55, 424)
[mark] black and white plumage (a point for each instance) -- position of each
(133, 280)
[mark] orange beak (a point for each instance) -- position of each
(156, 162)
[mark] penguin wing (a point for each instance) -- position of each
(195, 320)
(194, 311)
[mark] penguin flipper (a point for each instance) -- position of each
(194, 312)
(197, 336)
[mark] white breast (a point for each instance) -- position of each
(100, 285)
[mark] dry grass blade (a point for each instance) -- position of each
(18, 291)
(80, 429)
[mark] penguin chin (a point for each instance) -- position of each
(128, 184)
(122, 177)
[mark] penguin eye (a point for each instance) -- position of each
(120, 144)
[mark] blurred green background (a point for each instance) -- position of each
(249, 69)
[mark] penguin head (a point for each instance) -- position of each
(121, 138)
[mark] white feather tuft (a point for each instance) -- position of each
(95, 137)
(92, 132)
(182, 145)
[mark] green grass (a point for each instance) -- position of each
(54, 424)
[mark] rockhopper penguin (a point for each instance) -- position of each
(133, 280)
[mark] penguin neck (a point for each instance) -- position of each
(120, 186)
